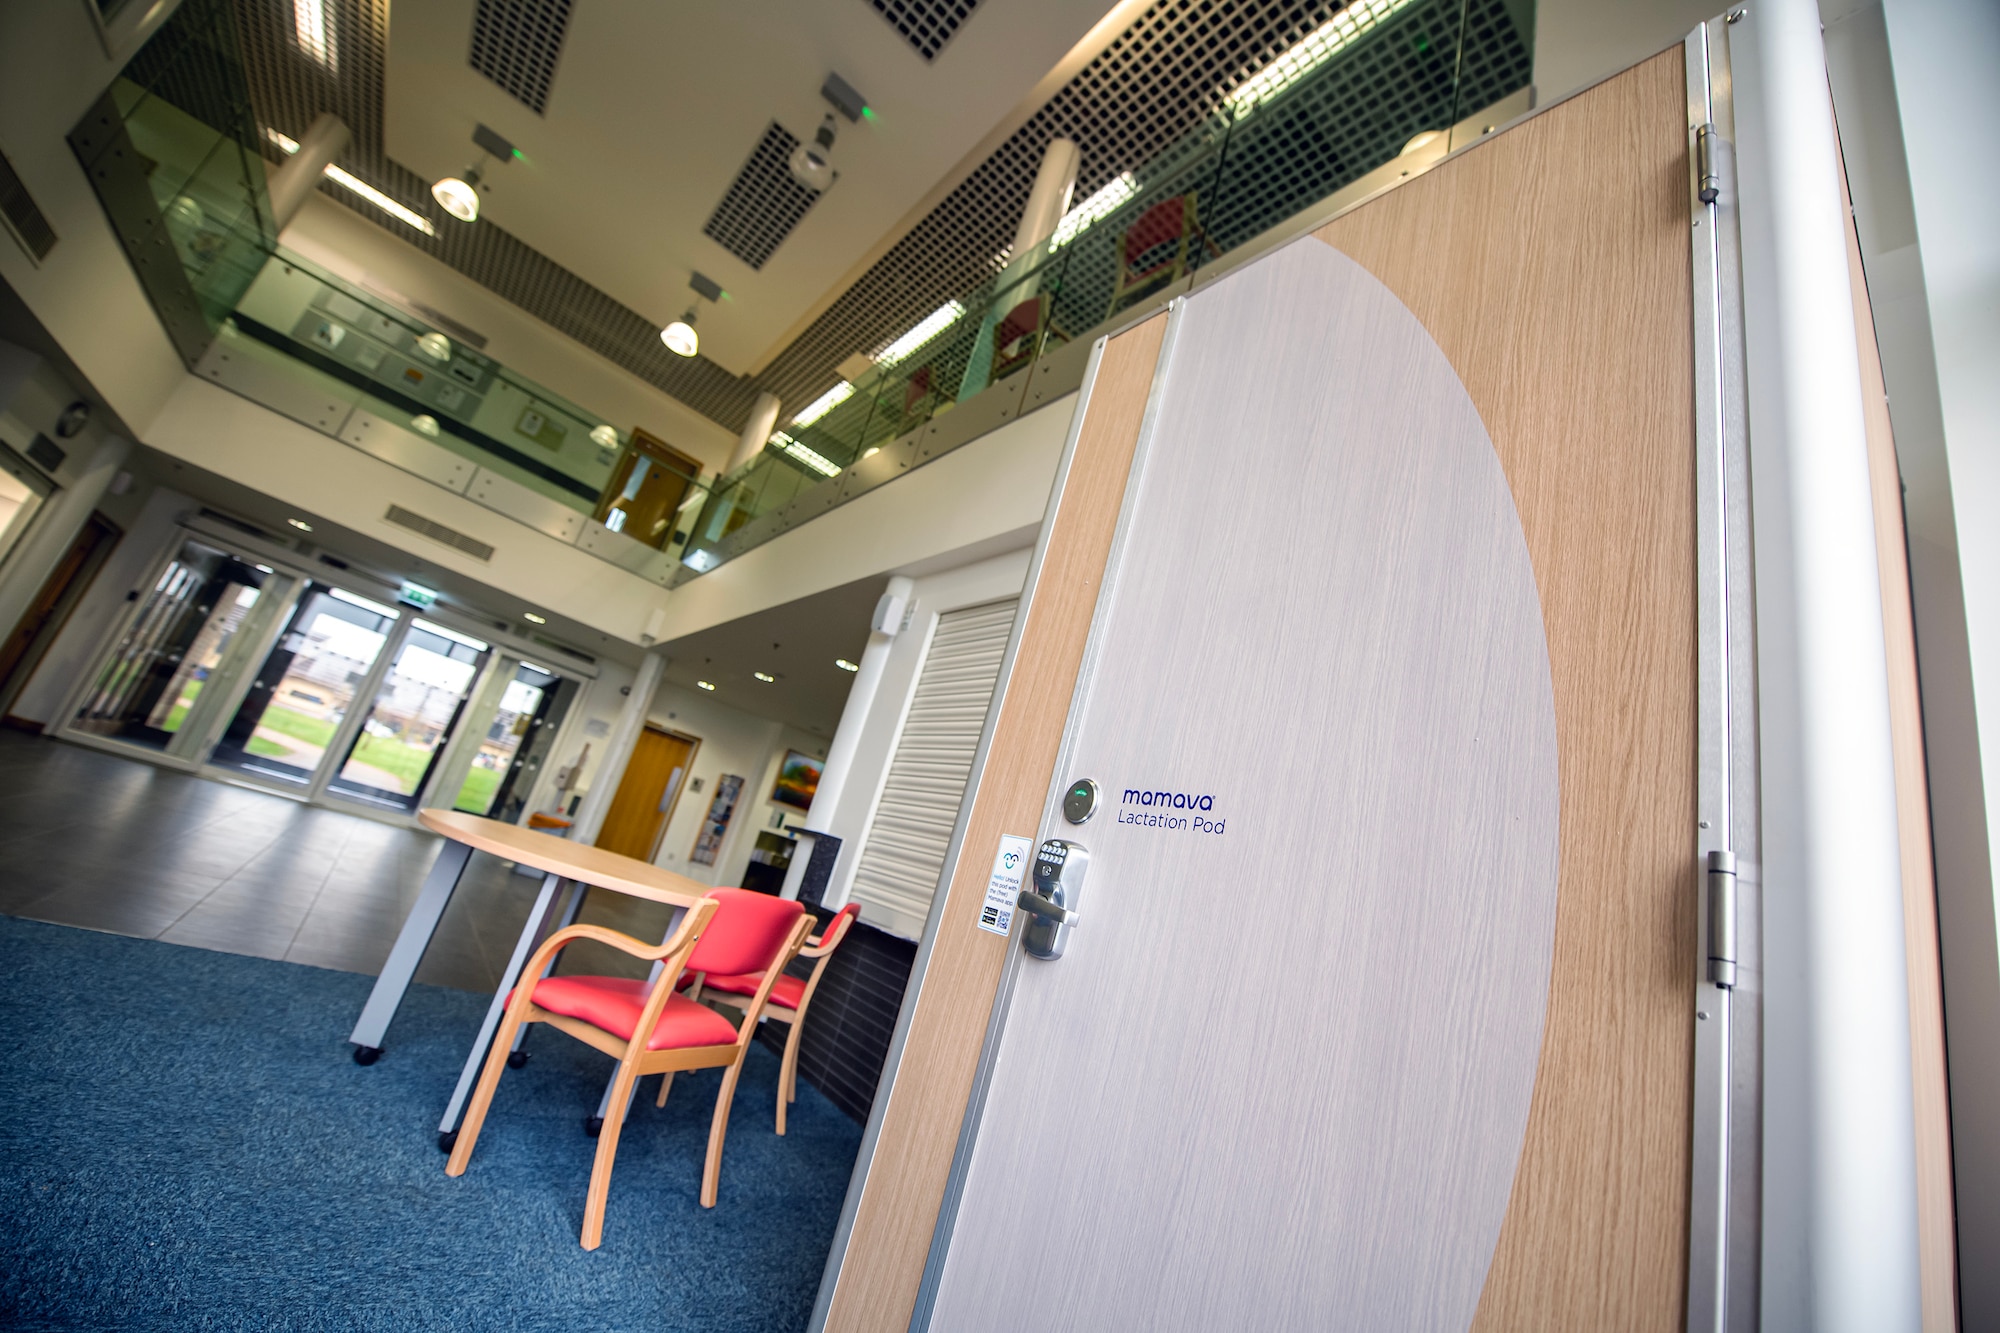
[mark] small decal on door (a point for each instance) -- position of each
(1003, 887)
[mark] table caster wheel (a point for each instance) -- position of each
(447, 1140)
(591, 1124)
(515, 1059)
(367, 1055)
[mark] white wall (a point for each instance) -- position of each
(235, 438)
(934, 594)
(344, 242)
(1579, 42)
(732, 741)
(983, 498)
(51, 69)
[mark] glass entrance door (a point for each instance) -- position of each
(301, 697)
(149, 684)
(416, 709)
(510, 754)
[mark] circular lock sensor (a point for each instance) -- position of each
(1080, 801)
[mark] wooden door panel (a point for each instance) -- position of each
(632, 825)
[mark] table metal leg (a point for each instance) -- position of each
(541, 921)
(518, 1056)
(408, 951)
(594, 1122)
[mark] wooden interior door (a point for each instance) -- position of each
(646, 794)
(41, 622)
(1550, 268)
(647, 489)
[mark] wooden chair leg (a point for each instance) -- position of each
(607, 1150)
(788, 1074)
(666, 1086)
(482, 1096)
(711, 1170)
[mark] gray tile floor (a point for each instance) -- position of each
(107, 843)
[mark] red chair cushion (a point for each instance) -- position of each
(614, 1003)
(787, 990)
(1021, 321)
(745, 934)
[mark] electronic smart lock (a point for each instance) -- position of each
(1051, 904)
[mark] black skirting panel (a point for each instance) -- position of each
(852, 1016)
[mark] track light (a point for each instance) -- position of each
(459, 195)
(812, 163)
(680, 337)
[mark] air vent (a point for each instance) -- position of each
(925, 24)
(515, 43)
(764, 203)
(24, 219)
(438, 532)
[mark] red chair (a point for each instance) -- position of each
(1018, 338)
(649, 1030)
(788, 999)
(1153, 252)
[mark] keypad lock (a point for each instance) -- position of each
(1051, 905)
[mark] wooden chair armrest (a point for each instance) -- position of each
(681, 941)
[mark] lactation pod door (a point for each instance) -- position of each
(1312, 1052)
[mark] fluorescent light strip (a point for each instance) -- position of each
(349, 181)
(1113, 193)
(823, 404)
(816, 461)
(927, 328)
(313, 31)
(1320, 46)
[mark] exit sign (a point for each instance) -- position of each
(417, 595)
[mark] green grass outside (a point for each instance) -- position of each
(476, 796)
(312, 730)
(407, 762)
(178, 713)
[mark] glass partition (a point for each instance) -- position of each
(531, 708)
(306, 686)
(416, 708)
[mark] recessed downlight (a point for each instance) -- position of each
(300, 524)
(704, 685)
(534, 619)
(846, 665)
(765, 676)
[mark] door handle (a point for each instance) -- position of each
(1039, 906)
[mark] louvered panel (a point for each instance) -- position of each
(902, 854)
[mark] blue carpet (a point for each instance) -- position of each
(186, 1144)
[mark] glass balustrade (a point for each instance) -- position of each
(1381, 89)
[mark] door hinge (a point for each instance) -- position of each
(1722, 919)
(1707, 164)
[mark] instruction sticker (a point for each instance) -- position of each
(1003, 889)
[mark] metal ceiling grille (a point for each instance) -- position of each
(925, 24)
(516, 43)
(1162, 78)
(24, 217)
(763, 203)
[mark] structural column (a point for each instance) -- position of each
(618, 748)
(298, 176)
(1048, 200)
(832, 810)
(763, 420)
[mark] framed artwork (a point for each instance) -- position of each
(708, 842)
(798, 779)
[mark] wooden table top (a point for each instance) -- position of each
(558, 856)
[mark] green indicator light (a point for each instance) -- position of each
(868, 112)
(519, 153)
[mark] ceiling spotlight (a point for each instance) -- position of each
(680, 337)
(534, 619)
(604, 436)
(435, 346)
(812, 163)
(765, 676)
(300, 524)
(425, 424)
(459, 195)
(705, 685)
(846, 665)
